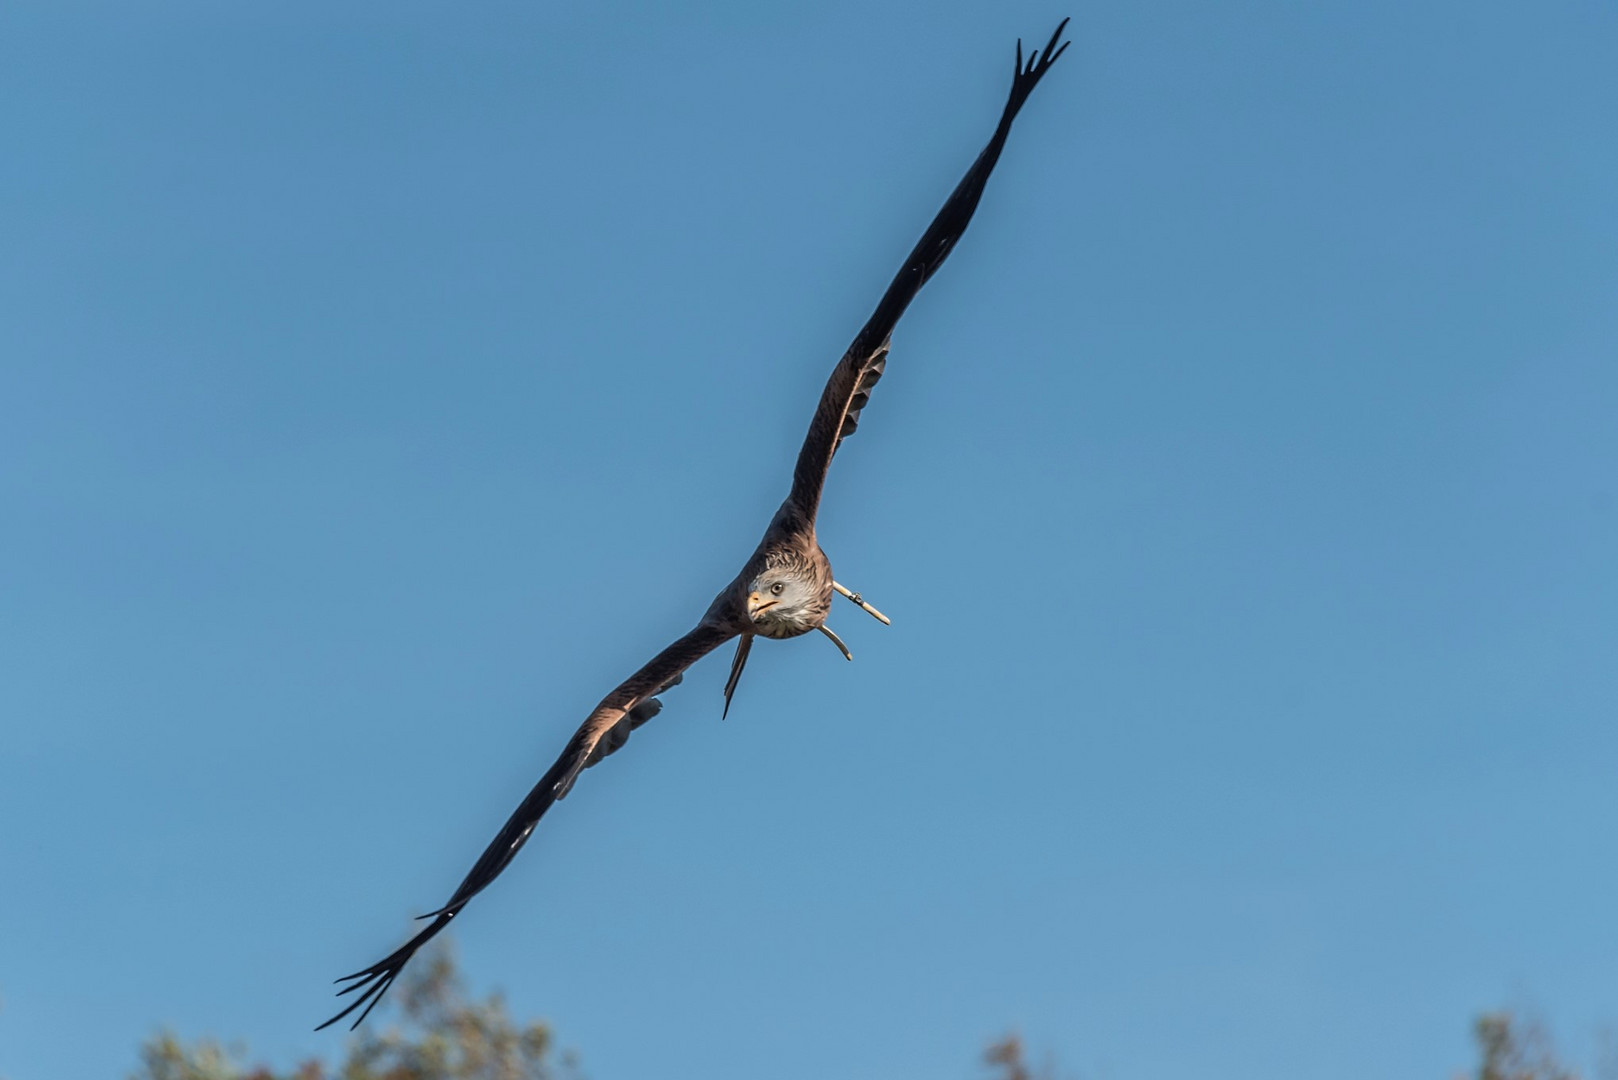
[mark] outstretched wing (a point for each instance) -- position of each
(851, 382)
(628, 707)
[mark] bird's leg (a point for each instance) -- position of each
(854, 596)
(837, 641)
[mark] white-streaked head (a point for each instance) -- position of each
(782, 602)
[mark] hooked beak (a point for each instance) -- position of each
(757, 604)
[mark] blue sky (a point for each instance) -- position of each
(381, 383)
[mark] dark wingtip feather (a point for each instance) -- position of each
(369, 999)
(737, 663)
(1050, 56)
(366, 973)
(373, 982)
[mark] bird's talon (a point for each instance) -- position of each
(837, 641)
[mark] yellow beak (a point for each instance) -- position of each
(757, 604)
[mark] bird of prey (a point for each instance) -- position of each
(784, 590)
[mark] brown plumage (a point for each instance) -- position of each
(784, 590)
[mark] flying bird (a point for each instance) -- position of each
(785, 588)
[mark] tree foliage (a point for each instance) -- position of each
(1005, 1056)
(1512, 1047)
(1008, 1059)
(442, 1035)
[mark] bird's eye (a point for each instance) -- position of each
(778, 587)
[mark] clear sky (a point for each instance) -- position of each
(380, 383)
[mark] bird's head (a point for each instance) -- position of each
(782, 602)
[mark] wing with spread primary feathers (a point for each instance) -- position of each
(628, 707)
(850, 385)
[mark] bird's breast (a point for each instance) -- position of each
(782, 628)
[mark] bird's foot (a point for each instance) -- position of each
(869, 610)
(837, 641)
